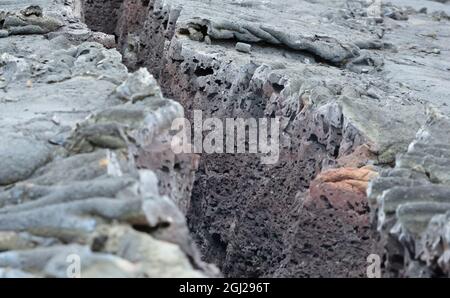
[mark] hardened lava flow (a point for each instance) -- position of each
(357, 176)
(336, 86)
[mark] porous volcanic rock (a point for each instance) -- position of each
(350, 81)
(74, 123)
(332, 234)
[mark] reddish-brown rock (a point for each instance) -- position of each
(343, 189)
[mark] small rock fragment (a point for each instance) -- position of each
(243, 47)
(195, 35)
(138, 86)
(107, 40)
(208, 40)
(436, 51)
(4, 33)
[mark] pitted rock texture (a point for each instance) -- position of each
(411, 204)
(104, 22)
(78, 132)
(350, 80)
(343, 189)
(331, 231)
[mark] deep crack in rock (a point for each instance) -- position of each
(345, 84)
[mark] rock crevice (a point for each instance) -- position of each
(344, 79)
(83, 145)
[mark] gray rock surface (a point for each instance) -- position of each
(21, 157)
(351, 81)
(412, 203)
(74, 124)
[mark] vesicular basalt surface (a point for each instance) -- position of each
(344, 76)
(81, 141)
(351, 82)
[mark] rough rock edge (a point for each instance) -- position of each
(166, 45)
(89, 199)
(411, 204)
(180, 68)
